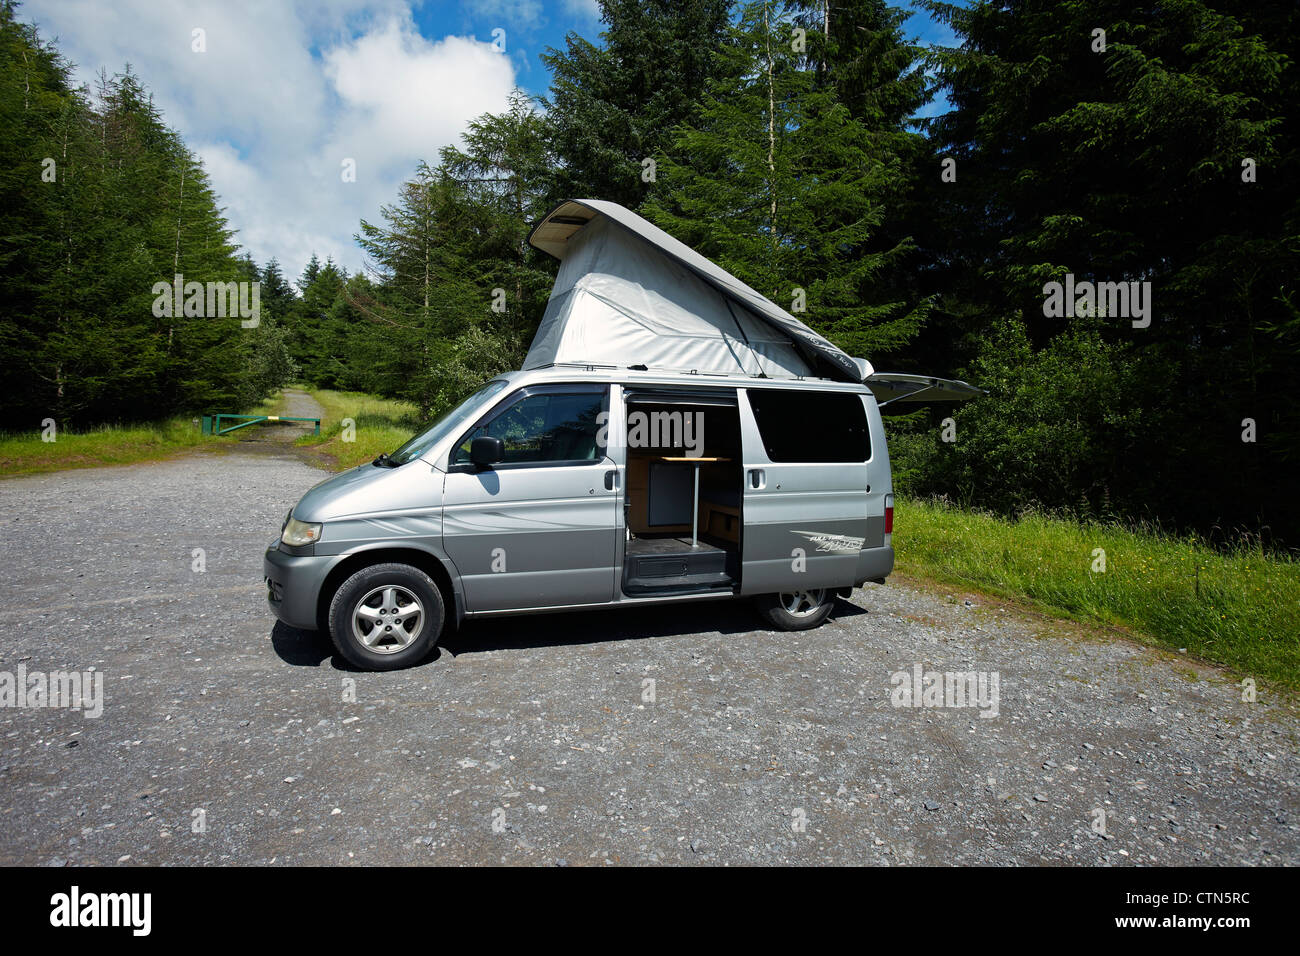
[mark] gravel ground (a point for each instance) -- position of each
(226, 738)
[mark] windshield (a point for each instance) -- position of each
(430, 436)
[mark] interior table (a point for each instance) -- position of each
(695, 504)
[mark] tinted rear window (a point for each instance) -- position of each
(811, 426)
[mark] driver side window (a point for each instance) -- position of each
(544, 427)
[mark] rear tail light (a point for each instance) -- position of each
(889, 514)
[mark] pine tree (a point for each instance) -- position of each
(277, 295)
(778, 183)
(102, 202)
(1117, 156)
(309, 345)
(499, 182)
(422, 297)
(45, 123)
(612, 107)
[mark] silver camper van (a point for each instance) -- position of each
(673, 436)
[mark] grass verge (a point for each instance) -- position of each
(1239, 608)
(379, 425)
(23, 453)
(27, 453)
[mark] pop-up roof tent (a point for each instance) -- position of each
(629, 294)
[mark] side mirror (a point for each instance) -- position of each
(485, 451)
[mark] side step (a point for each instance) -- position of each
(691, 570)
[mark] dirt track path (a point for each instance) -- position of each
(532, 740)
(294, 403)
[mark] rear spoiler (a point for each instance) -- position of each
(891, 387)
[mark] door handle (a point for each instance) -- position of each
(757, 478)
(611, 480)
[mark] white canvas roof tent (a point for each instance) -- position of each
(629, 294)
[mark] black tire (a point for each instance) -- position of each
(814, 607)
(387, 589)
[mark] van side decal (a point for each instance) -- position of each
(831, 542)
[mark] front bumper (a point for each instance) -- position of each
(293, 585)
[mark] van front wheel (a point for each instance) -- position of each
(386, 617)
(796, 610)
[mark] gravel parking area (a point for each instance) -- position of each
(226, 738)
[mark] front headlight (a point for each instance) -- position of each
(297, 533)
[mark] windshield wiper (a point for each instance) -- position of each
(382, 461)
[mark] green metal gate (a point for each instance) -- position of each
(212, 423)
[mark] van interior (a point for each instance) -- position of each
(682, 537)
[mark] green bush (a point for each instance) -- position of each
(1056, 423)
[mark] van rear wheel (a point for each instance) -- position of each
(386, 617)
(796, 610)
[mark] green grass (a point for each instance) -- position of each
(380, 426)
(1239, 607)
(267, 406)
(25, 452)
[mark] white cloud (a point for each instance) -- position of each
(512, 14)
(284, 94)
(583, 8)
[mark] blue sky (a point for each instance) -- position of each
(533, 25)
(280, 98)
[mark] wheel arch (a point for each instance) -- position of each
(431, 564)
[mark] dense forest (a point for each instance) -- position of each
(99, 201)
(1154, 145)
